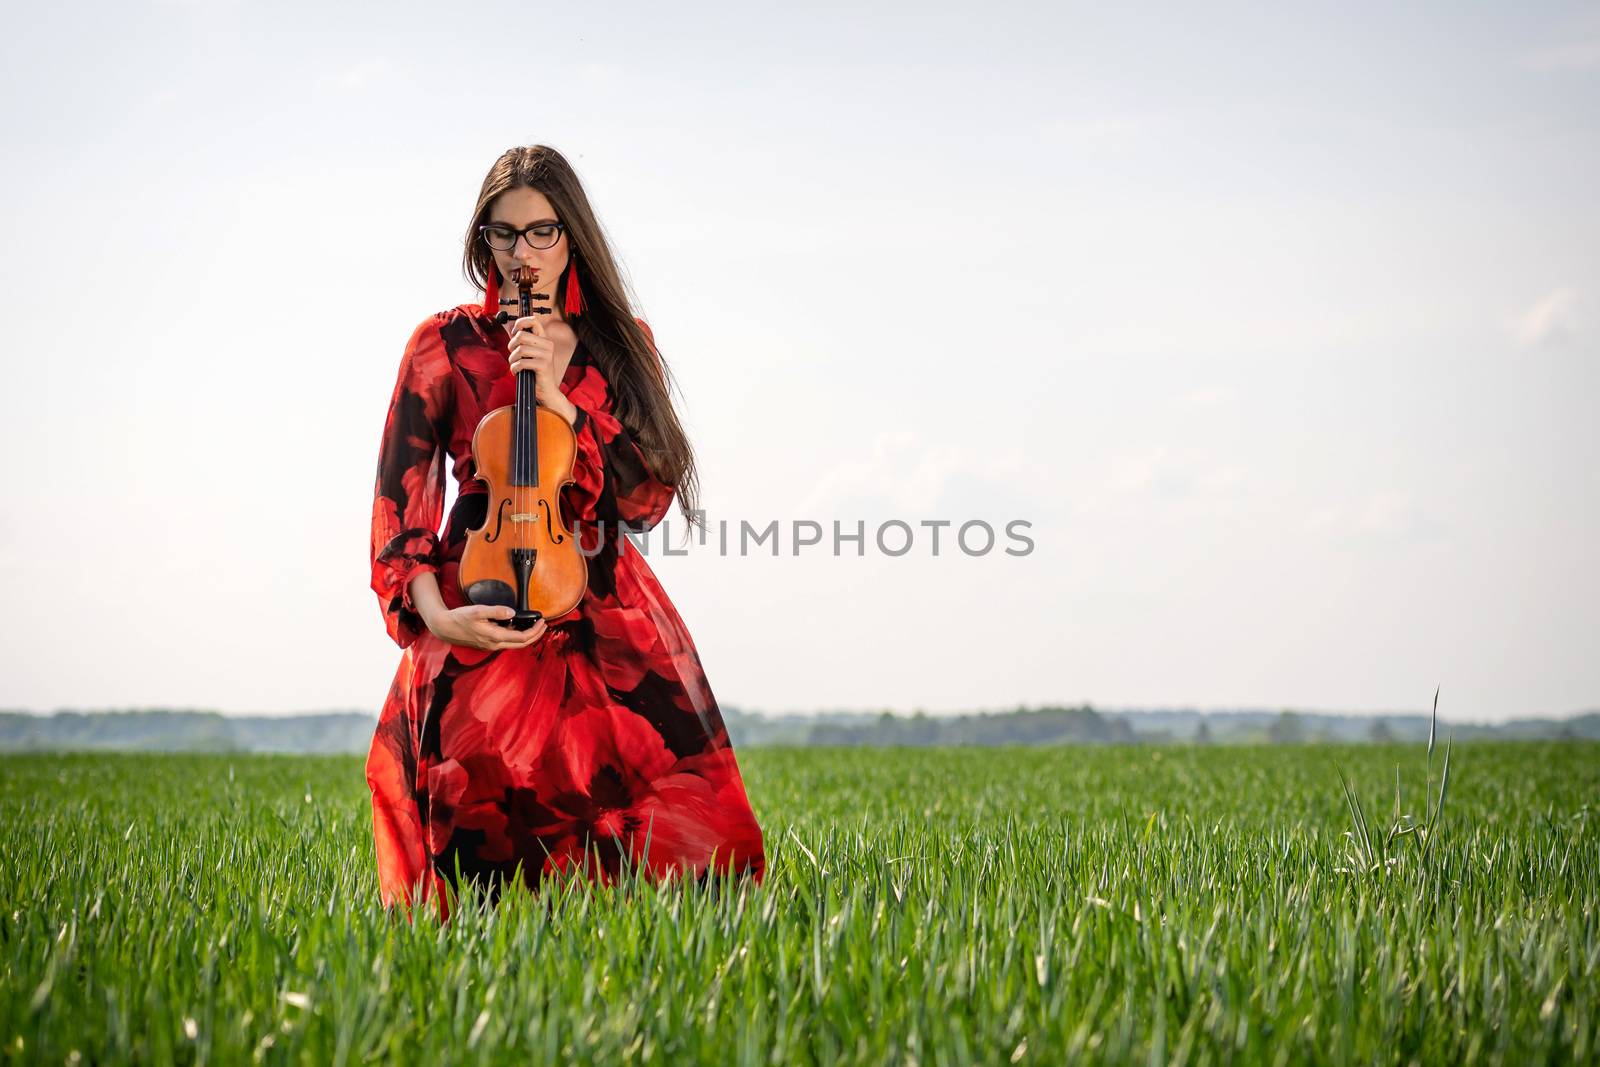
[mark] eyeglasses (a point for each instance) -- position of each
(502, 238)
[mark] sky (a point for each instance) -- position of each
(1275, 328)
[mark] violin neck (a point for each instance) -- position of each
(524, 420)
(525, 433)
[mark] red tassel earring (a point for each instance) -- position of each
(491, 292)
(574, 302)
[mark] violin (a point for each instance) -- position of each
(523, 556)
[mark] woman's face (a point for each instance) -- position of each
(519, 209)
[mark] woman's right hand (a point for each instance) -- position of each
(473, 626)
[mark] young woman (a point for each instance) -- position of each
(591, 741)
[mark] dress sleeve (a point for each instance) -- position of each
(408, 501)
(610, 480)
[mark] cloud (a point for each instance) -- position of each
(1208, 396)
(1575, 55)
(1139, 472)
(602, 75)
(1553, 319)
(1096, 131)
(902, 471)
(1387, 515)
(1169, 474)
(363, 74)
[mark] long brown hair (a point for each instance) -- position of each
(616, 343)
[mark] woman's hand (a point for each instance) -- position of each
(531, 349)
(473, 625)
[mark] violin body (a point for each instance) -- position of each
(524, 556)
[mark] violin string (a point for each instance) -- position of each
(522, 450)
(517, 450)
(525, 489)
(528, 430)
(522, 502)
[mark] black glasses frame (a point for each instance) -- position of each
(524, 234)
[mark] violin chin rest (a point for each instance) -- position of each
(500, 595)
(493, 593)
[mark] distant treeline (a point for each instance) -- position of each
(1085, 725)
(164, 730)
(351, 731)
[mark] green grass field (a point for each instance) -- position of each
(951, 906)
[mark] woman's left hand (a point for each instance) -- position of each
(531, 350)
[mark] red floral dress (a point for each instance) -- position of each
(599, 744)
